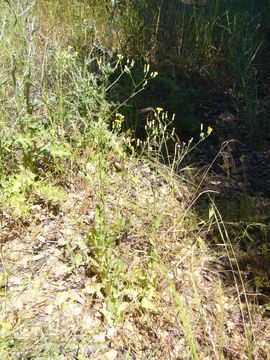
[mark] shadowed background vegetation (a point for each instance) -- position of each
(204, 51)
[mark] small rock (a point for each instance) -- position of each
(110, 355)
(41, 239)
(90, 168)
(99, 338)
(37, 257)
(110, 333)
(92, 215)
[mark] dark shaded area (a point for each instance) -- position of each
(212, 58)
(228, 89)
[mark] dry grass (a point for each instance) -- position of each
(54, 298)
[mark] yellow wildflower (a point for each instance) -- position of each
(159, 109)
(209, 130)
(6, 326)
